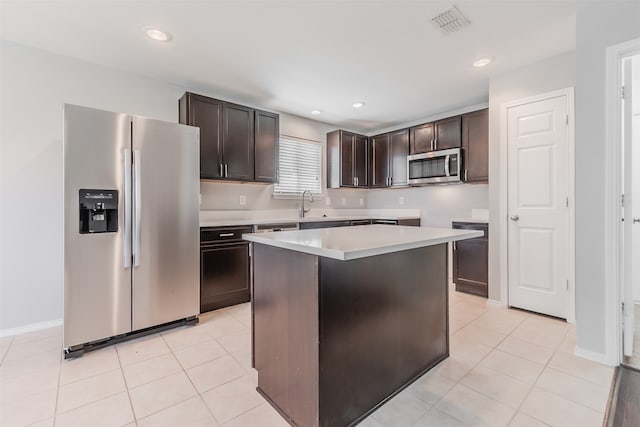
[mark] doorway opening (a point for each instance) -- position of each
(630, 224)
(621, 185)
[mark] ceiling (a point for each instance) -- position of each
(298, 56)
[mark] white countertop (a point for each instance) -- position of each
(345, 243)
(472, 220)
(230, 218)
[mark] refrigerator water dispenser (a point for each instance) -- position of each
(98, 211)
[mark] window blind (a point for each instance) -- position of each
(300, 165)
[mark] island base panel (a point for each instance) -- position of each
(285, 334)
(383, 323)
(335, 339)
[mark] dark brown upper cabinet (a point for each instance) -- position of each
(389, 159)
(205, 113)
(439, 135)
(399, 142)
(447, 133)
(421, 138)
(267, 136)
(380, 165)
(237, 143)
(475, 143)
(347, 160)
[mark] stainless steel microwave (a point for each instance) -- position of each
(444, 166)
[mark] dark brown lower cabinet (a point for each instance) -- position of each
(224, 268)
(471, 261)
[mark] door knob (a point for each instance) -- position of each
(514, 217)
(636, 220)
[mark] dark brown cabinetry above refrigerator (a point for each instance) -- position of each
(347, 160)
(471, 260)
(389, 159)
(237, 143)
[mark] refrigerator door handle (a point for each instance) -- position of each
(126, 250)
(136, 208)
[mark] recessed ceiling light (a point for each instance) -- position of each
(157, 34)
(482, 62)
(316, 112)
(358, 104)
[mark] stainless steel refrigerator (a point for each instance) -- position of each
(131, 231)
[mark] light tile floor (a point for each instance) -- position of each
(507, 367)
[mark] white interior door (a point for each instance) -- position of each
(630, 212)
(538, 186)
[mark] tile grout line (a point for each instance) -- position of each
(4, 356)
(55, 408)
(190, 381)
(546, 365)
(459, 382)
(126, 386)
(556, 351)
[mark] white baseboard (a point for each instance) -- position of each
(495, 303)
(30, 328)
(595, 356)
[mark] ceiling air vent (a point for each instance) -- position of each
(450, 21)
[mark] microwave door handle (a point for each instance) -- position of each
(446, 165)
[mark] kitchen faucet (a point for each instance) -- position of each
(302, 209)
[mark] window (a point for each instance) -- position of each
(300, 167)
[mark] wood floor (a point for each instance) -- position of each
(625, 399)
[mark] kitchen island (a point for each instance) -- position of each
(344, 318)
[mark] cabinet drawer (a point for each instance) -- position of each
(223, 234)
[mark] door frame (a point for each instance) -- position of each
(504, 207)
(613, 264)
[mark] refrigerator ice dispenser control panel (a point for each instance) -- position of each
(98, 211)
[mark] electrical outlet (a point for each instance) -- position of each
(343, 201)
(401, 200)
(361, 201)
(243, 200)
(328, 201)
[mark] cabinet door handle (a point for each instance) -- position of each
(454, 246)
(221, 171)
(226, 170)
(226, 234)
(432, 145)
(465, 174)
(390, 181)
(435, 144)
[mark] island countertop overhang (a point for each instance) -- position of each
(347, 243)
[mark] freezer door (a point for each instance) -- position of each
(97, 281)
(166, 280)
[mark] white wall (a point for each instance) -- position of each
(545, 76)
(439, 203)
(598, 26)
(33, 86)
